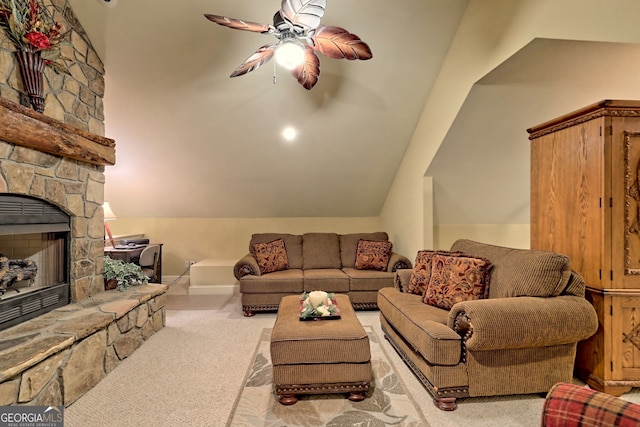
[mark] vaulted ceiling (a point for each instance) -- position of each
(191, 142)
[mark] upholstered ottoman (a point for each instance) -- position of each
(319, 356)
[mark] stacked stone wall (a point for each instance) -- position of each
(78, 189)
(55, 359)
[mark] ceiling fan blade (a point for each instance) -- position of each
(238, 24)
(338, 43)
(309, 72)
(259, 57)
(305, 13)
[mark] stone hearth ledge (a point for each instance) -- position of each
(57, 357)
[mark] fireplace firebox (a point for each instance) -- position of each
(34, 232)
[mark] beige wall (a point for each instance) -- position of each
(225, 238)
(490, 32)
(512, 235)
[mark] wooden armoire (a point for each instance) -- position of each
(585, 203)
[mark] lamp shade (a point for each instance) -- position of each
(108, 213)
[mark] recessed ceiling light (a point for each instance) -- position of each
(108, 3)
(289, 133)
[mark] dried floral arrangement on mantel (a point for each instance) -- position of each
(37, 37)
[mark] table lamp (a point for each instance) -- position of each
(108, 216)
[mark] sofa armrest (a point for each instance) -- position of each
(523, 322)
(246, 265)
(397, 261)
(401, 279)
(572, 404)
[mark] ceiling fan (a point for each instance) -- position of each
(299, 32)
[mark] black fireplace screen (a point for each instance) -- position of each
(34, 258)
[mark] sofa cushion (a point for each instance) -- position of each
(421, 273)
(368, 280)
(271, 256)
(349, 244)
(321, 250)
(520, 272)
(455, 279)
(286, 281)
(373, 255)
(326, 279)
(292, 244)
(423, 326)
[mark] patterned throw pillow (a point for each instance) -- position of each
(421, 273)
(372, 255)
(271, 256)
(455, 279)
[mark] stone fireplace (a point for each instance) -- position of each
(58, 159)
(59, 165)
(57, 353)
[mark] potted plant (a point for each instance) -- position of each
(121, 275)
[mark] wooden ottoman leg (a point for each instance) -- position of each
(356, 396)
(287, 399)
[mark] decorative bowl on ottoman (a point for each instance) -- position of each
(318, 305)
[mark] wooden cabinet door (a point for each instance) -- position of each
(567, 189)
(625, 206)
(625, 338)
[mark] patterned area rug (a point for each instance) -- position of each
(387, 402)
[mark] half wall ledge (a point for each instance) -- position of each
(25, 127)
(56, 358)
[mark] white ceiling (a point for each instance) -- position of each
(191, 142)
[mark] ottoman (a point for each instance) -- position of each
(319, 356)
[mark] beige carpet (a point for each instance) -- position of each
(387, 402)
(191, 372)
(196, 302)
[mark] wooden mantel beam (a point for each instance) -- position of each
(22, 126)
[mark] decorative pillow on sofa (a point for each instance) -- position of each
(373, 255)
(421, 273)
(271, 256)
(457, 278)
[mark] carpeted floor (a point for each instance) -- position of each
(196, 302)
(191, 372)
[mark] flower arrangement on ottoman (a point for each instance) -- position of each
(318, 305)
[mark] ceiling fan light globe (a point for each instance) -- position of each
(290, 54)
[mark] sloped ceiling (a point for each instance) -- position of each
(191, 142)
(481, 170)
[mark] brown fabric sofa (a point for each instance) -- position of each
(316, 261)
(521, 339)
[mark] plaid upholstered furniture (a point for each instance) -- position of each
(571, 405)
(313, 262)
(319, 356)
(519, 339)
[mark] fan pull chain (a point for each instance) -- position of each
(275, 79)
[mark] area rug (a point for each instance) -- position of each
(387, 403)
